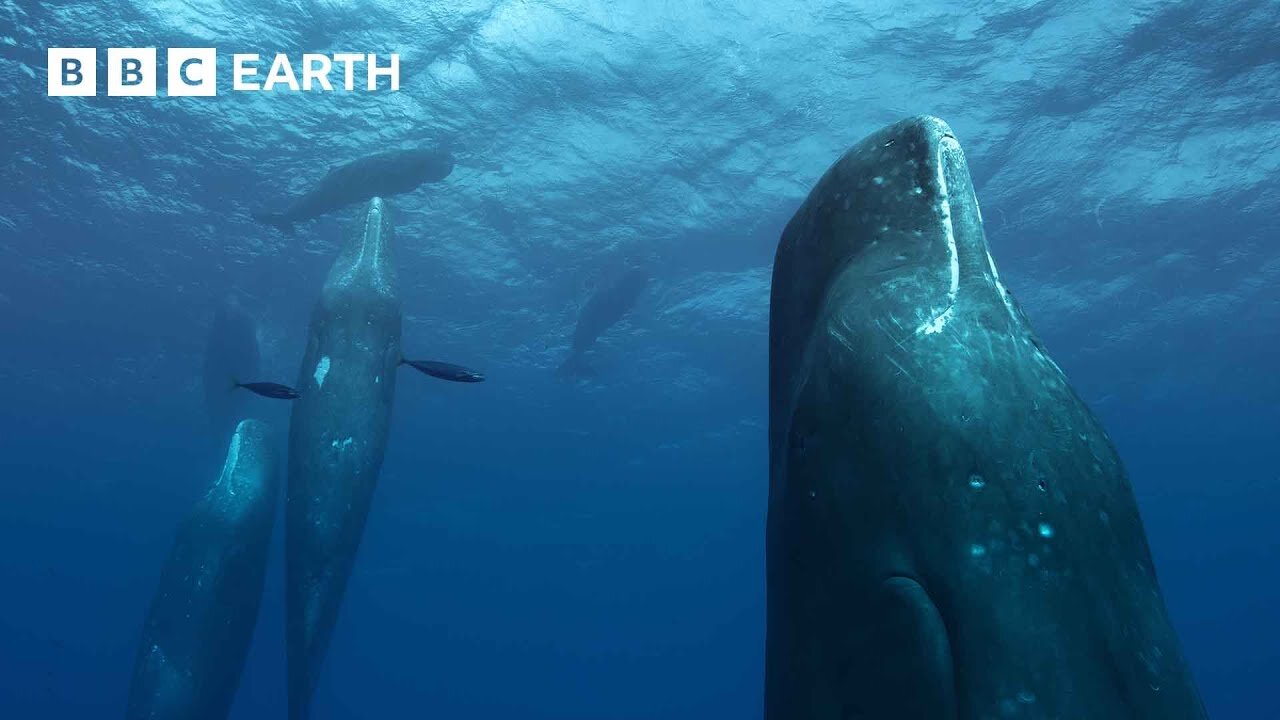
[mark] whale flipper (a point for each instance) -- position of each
(951, 533)
(198, 628)
(915, 679)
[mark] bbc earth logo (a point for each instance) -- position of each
(193, 72)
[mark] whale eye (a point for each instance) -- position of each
(889, 142)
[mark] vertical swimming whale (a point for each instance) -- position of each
(337, 436)
(951, 534)
(200, 623)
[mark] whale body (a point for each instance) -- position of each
(337, 436)
(381, 175)
(200, 623)
(951, 534)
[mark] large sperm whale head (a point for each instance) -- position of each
(951, 533)
(894, 225)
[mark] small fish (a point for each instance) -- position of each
(445, 371)
(275, 391)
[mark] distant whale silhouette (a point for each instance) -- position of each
(381, 175)
(603, 310)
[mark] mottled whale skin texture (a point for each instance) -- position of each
(381, 175)
(200, 623)
(951, 535)
(337, 436)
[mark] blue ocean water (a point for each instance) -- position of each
(543, 549)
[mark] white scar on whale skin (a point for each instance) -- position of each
(940, 321)
(1004, 294)
(322, 371)
(229, 467)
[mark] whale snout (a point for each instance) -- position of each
(918, 132)
(376, 231)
